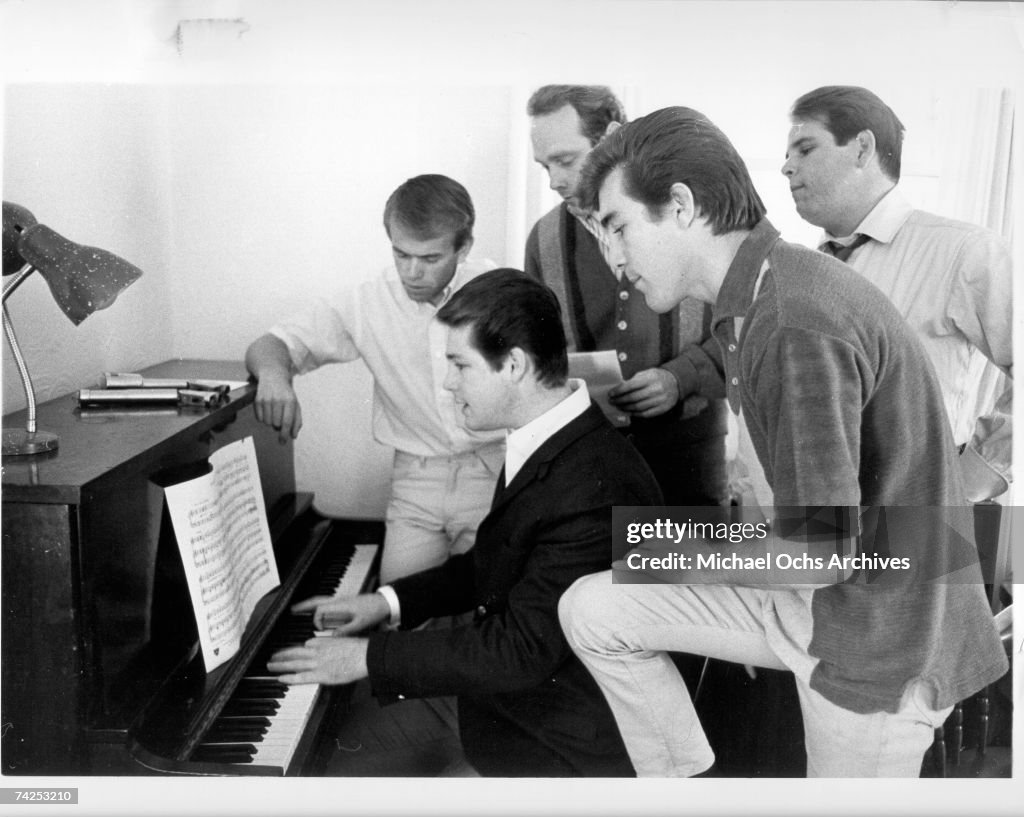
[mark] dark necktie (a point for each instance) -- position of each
(841, 252)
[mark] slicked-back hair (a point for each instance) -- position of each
(430, 206)
(507, 308)
(676, 145)
(596, 106)
(846, 110)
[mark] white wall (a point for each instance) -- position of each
(240, 202)
(278, 193)
(83, 160)
(244, 165)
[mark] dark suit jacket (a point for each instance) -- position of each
(527, 706)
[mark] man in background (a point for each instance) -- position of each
(950, 280)
(844, 412)
(527, 707)
(672, 386)
(443, 475)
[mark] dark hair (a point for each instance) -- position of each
(676, 145)
(596, 105)
(508, 308)
(430, 205)
(846, 110)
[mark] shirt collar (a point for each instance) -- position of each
(579, 212)
(587, 219)
(882, 223)
(737, 290)
(524, 442)
(458, 279)
(453, 285)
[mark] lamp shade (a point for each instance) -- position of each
(82, 279)
(16, 220)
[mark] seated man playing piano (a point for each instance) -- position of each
(527, 707)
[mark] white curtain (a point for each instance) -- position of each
(528, 194)
(978, 185)
(977, 175)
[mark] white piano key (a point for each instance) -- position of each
(277, 746)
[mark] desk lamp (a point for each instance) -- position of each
(82, 280)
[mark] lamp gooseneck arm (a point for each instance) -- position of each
(19, 360)
(16, 280)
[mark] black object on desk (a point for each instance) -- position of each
(101, 672)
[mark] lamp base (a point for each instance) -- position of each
(21, 443)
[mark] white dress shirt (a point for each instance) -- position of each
(523, 442)
(404, 348)
(952, 282)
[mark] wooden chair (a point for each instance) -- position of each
(993, 530)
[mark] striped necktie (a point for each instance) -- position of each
(594, 227)
(844, 251)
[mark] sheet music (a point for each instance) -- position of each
(220, 523)
(602, 373)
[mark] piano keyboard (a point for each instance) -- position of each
(264, 720)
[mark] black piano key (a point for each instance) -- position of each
(224, 753)
(271, 697)
(239, 737)
(243, 706)
(250, 735)
(223, 727)
(260, 688)
(244, 720)
(239, 746)
(256, 700)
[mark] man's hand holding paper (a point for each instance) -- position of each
(647, 393)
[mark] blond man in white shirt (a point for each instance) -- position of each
(444, 474)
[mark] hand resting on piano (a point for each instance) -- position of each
(338, 659)
(276, 404)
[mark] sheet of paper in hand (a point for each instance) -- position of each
(602, 373)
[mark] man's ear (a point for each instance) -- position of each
(682, 206)
(463, 252)
(866, 147)
(517, 364)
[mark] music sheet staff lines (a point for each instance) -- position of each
(220, 523)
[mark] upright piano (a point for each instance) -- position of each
(101, 668)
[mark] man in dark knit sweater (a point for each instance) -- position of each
(672, 389)
(844, 411)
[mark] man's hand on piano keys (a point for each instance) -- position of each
(334, 660)
(348, 615)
